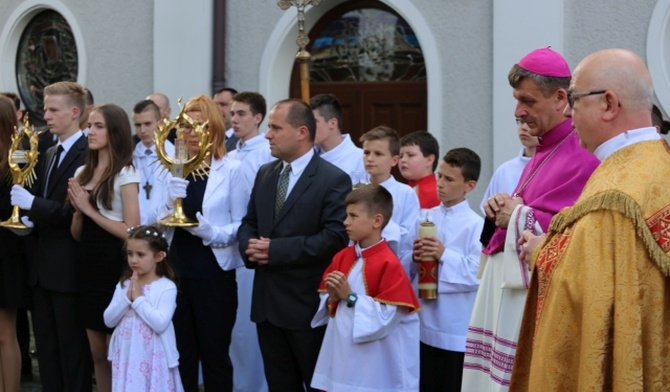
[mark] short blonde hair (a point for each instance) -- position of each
(75, 93)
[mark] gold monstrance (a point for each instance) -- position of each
(181, 165)
(22, 166)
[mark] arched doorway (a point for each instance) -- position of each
(369, 57)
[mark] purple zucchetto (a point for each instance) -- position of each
(545, 62)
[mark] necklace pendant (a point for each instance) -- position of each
(147, 188)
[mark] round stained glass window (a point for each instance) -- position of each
(47, 54)
(366, 44)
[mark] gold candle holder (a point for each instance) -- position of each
(22, 167)
(181, 165)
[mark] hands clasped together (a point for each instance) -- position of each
(79, 197)
(257, 251)
(337, 286)
(135, 289)
(499, 208)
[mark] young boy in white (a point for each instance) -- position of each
(371, 341)
(444, 321)
(381, 152)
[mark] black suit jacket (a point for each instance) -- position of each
(304, 237)
(53, 259)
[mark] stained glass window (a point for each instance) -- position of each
(366, 44)
(47, 54)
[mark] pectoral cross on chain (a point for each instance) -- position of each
(147, 188)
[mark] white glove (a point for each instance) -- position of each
(26, 221)
(21, 197)
(28, 224)
(176, 189)
(204, 230)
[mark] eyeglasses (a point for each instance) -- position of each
(572, 96)
(520, 121)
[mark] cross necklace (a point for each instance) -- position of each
(147, 176)
(523, 183)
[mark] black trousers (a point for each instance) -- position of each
(441, 370)
(23, 336)
(289, 356)
(203, 322)
(63, 353)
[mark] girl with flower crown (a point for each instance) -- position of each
(143, 349)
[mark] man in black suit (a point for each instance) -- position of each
(292, 229)
(62, 347)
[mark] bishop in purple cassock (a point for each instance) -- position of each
(553, 179)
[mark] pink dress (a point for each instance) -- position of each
(143, 359)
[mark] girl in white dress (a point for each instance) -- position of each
(143, 349)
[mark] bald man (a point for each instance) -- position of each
(161, 100)
(597, 312)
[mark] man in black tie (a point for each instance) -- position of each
(292, 229)
(62, 347)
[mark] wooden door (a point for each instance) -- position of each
(400, 105)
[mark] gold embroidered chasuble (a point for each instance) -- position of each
(597, 315)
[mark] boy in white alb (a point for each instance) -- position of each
(247, 111)
(330, 143)
(153, 177)
(381, 152)
(371, 341)
(444, 321)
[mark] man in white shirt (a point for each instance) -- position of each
(246, 113)
(153, 185)
(330, 143)
(253, 150)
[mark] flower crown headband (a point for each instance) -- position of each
(148, 231)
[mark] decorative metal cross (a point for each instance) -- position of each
(303, 55)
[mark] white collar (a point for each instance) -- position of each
(70, 141)
(140, 150)
(625, 139)
(299, 164)
(252, 143)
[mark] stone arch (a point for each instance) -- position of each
(11, 34)
(279, 54)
